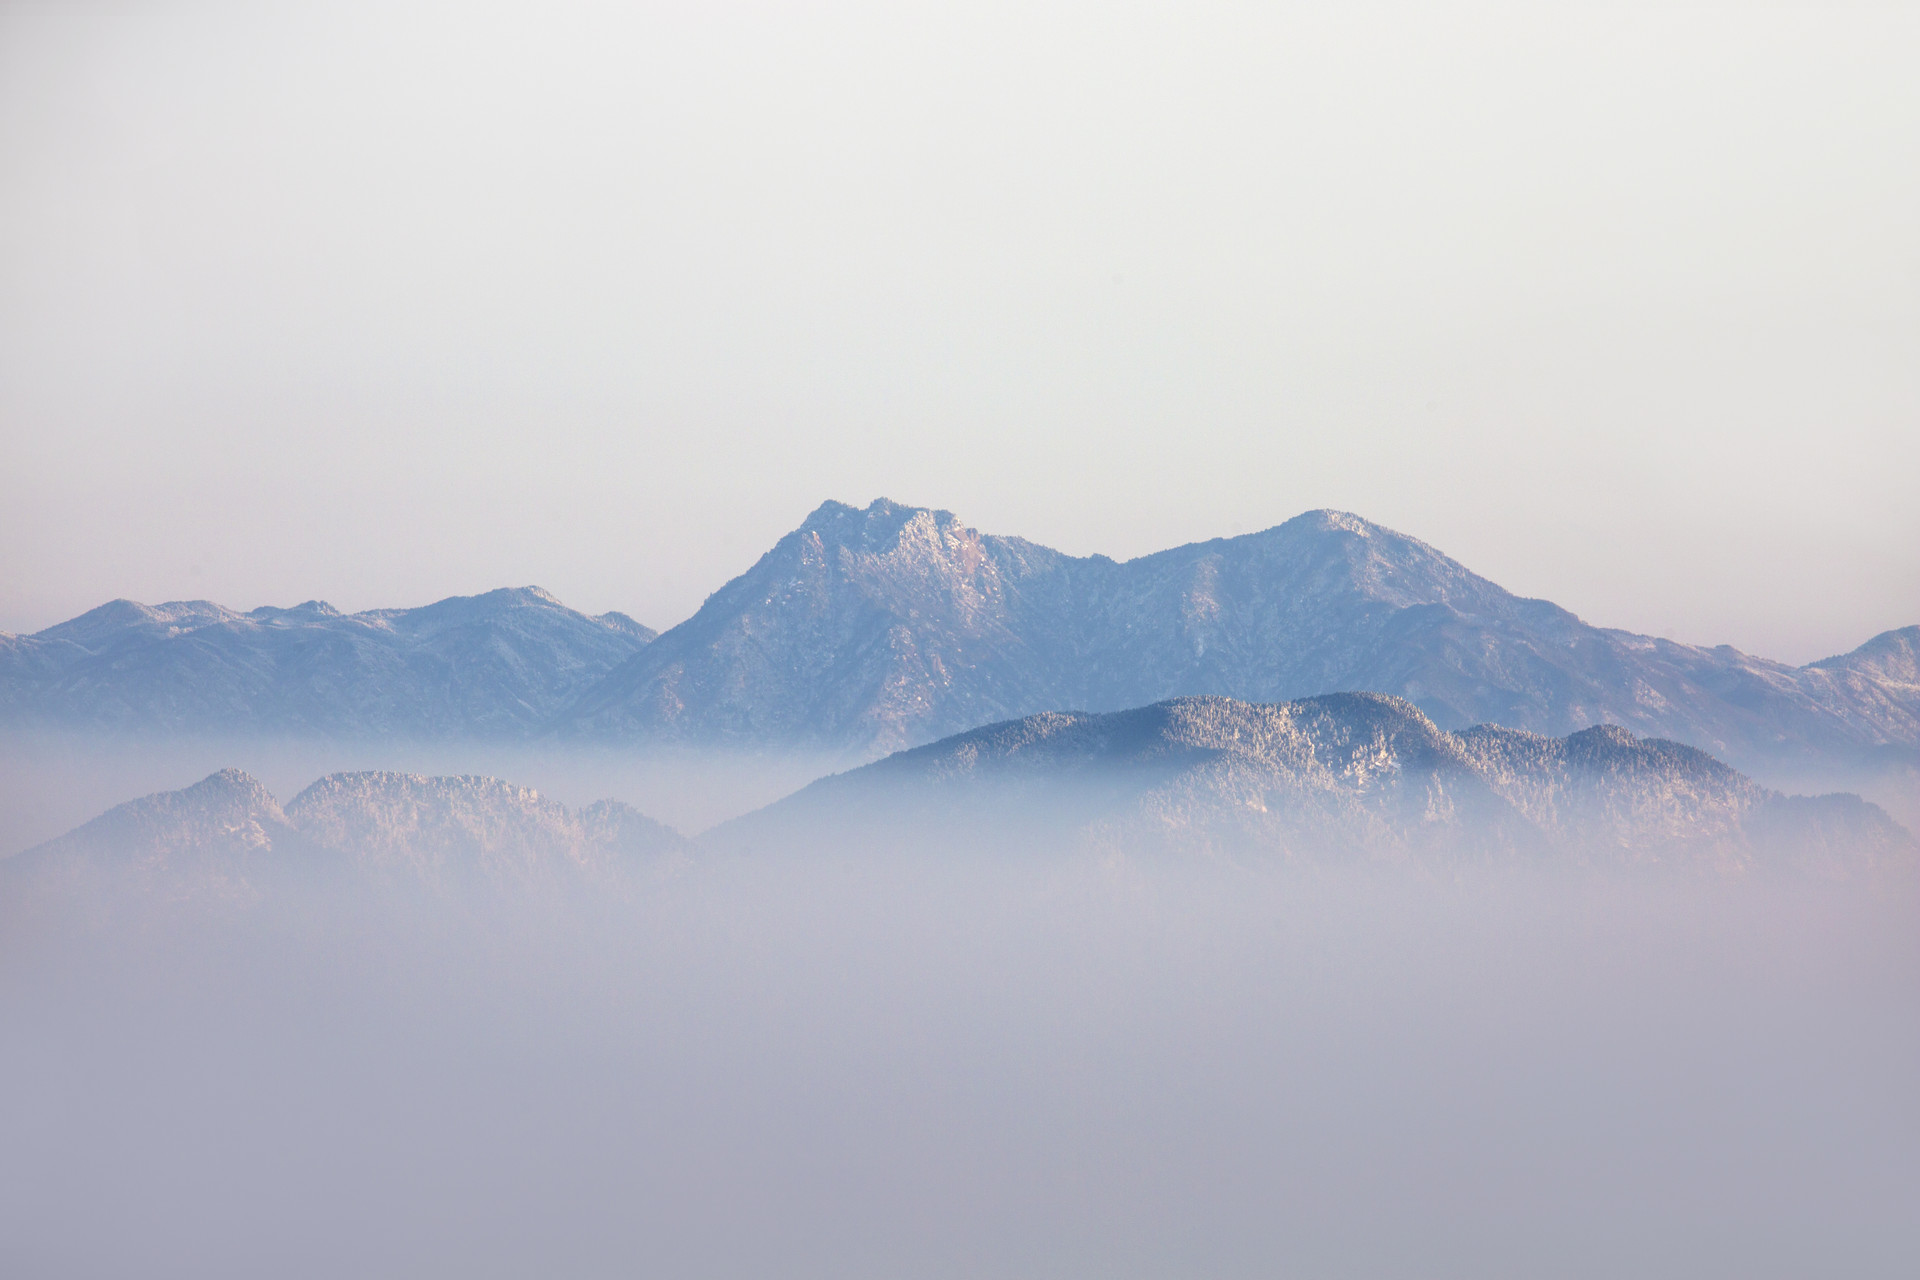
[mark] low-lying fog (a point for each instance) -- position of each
(888, 1062)
(1020, 1065)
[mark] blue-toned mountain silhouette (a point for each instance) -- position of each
(495, 665)
(881, 628)
(1350, 779)
(868, 630)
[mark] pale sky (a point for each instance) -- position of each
(1618, 305)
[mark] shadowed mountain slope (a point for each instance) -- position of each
(498, 664)
(877, 629)
(1344, 776)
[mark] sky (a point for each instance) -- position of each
(1618, 305)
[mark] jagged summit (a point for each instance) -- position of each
(854, 627)
(875, 527)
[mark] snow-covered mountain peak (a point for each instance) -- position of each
(1892, 657)
(116, 619)
(1609, 734)
(306, 611)
(905, 561)
(528, 597)
(871, 628)
(498, 603)
(878, 529)
(1343, 521)
(877, 627)
(625, 625)
(230, 783)
(1384, 563)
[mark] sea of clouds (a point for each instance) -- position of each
(886, 1062)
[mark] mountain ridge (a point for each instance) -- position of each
(496, 664)
(227, 837)
(865, 630)
(873, 630)
(1353, 777)
(1357, 780)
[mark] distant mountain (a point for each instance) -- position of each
(861, 629)
(493, 665)
(435, 828)
(865, 631)
(224, 838)
(1347, 777)
(876, 629)
(227, 838)
(1342, 779)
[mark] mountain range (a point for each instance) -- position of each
(501, 664)
(227, 838)
(1352, 778)
(1344, 779)
(868, 630)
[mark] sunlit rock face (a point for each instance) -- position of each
(1343, 778)
(493, 665)
(875, 629)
